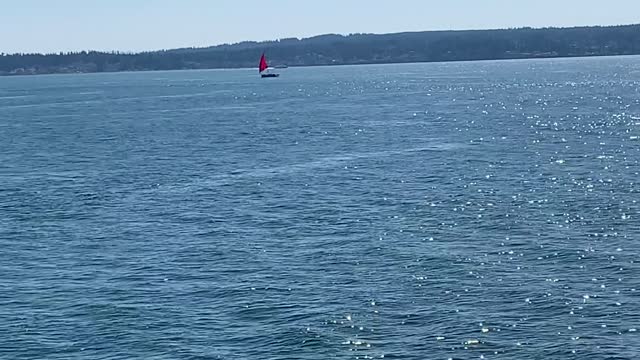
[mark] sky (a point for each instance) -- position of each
(137, 25)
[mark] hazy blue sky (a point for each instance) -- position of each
(62, 25)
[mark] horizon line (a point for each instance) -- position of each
(195, 47)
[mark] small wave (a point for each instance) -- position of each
(27, 106)
(326, 162)
(13, 97)
(88, 93)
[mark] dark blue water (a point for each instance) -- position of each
(425, 211)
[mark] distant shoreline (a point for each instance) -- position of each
(318, 66)
(356, 49)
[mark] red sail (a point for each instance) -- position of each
(263, 64)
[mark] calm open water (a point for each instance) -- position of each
(421, 211)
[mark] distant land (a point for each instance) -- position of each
(331, 49)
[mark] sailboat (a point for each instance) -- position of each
(263, 68)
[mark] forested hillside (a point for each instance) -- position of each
(352, 49)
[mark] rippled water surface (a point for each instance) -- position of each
(422, 211)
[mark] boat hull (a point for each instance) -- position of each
(269, 75)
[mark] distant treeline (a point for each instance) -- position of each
(352, 49)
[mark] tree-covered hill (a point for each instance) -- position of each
(332, 49)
